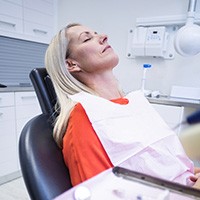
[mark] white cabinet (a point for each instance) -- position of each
(39, 18)
(28, 19)
(8, 138)
(16, 109)
(42, 6)
(11, 17)
(27, 106)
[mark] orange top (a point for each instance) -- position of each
(82, 150)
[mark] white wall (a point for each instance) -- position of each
(115, 18)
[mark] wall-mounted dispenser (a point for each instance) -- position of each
(160, 36)
(156, 41)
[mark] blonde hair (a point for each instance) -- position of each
(64, 83)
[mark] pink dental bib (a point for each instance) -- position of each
(135, 136)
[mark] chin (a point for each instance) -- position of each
(115, 60)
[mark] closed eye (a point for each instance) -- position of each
(86, 36)
(87, 39)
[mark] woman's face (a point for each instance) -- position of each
(89, 50)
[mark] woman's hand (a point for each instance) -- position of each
(196, 178)
(196, 170)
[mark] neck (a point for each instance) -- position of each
(109, 92)
(105, 85)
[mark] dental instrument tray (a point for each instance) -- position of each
(156, 182)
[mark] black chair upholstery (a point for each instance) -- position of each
(44, 171)
(44, 90)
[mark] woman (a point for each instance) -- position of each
(98, 127)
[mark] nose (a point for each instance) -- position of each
(103, 38)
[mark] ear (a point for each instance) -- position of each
(72, 66)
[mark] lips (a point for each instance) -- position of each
(107, 47)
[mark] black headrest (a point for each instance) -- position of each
(44, 90)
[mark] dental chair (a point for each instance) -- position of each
(44, 171)
(45, 91)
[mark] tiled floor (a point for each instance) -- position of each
(14, 190)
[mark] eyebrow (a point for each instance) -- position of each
(87, 33)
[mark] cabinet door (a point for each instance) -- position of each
(11, 16)
(40, 32)
(8, 145)
(25, 98)
(11, 9)
(28, 19)
(39, 19)
(7, 99)
(27, 107)
(43, 6)
(24, 114)
(10, 25)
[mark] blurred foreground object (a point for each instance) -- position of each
(190, 139)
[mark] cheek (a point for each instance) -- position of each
(87, 51)
(87, 55)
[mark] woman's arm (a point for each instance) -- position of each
(82, 150)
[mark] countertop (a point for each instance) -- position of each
(17, 89)
(167, 100)
(164, 100)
